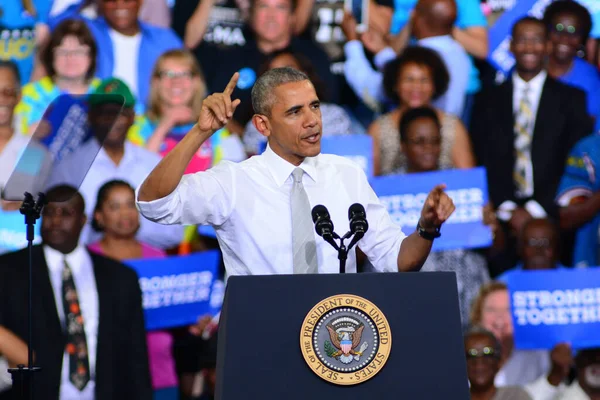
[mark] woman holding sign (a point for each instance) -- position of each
(422, 143)
(117, 217)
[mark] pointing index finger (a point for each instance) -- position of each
(232, 83)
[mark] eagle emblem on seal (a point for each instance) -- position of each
(345, 335)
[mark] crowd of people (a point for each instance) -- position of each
(416, 80)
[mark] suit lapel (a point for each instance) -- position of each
(105, 305)
(507, 116)
(547, 124)
(45, 296)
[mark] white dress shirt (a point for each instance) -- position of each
(249, 206)
(81, 266)
(135, 165)
(536, 85)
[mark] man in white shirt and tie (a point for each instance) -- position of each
(261, 208)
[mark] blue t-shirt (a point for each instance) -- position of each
(17, 33)
(586, 77)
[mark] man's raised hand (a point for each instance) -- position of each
(217, 109)
(437, 208)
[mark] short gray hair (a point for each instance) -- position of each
(262, 92)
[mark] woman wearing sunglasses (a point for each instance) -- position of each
(483, 363)
(569, 24)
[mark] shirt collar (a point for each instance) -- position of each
(128, 155)
(54, 258)
(535, 84)
(281, 169)
(434, 40)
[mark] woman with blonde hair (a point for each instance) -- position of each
(176, 94)
(539, 371)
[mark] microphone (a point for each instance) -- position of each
(358, 220)
(322, 220)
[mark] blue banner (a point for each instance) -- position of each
(13, 231)
(500, 33)
(550, 307)
(177, 290)
(404, 195)
(358, 148)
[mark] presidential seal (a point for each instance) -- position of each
(345, 339)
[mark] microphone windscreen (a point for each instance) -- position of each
(356, 208)
(319, 211)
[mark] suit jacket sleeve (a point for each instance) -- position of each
(138, 368)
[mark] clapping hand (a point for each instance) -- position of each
(217, 109)
(437, 208)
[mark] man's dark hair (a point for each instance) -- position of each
(422, 57)
(102, 197)
(69, 27)
(414, 114)
(9, 64)
(63, 193)
(528, 20)
(570, 7)
(293, 5)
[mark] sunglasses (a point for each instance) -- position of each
(487, 353)
(562, 29)
(175, 75)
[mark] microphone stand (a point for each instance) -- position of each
(22, 376)
(341, 248)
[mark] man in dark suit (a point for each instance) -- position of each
(522, 131)
(88, 333)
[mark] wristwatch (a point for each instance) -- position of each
(428, 235)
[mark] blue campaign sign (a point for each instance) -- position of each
(13, 231)
(358, 148)
(500, 33)
(404, 195)
(550, 307)
(177, 290)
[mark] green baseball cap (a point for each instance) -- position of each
(112, 90)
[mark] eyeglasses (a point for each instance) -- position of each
(58, 212)
(84, 52)
(538, 242)
(425, 142)
(114, 2)
(487, 353)
(562, 29)
(175, 75)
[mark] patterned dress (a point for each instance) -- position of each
(392, 158)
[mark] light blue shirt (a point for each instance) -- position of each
(367, 83)
(469, 14)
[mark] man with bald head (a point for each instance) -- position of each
(432, 24)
